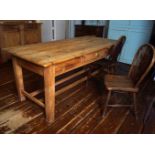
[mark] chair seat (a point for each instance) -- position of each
(119, 83)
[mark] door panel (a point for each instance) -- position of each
(136, 40)
(113, 34)
(119, 23)
(141, 23)
(138, 32)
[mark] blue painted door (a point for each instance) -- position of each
(115, 34)
(135, 40)
(137, 33)
(119, 23)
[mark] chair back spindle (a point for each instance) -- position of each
(117, 48)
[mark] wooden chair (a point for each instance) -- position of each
(142, 63)
(109, 65)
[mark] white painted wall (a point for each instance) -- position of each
(53, 31)
(60, 29)
(46, 30)
(63, 28)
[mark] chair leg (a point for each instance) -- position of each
(106, 104)
(88, 73)
(112, 68)
(108, 69)
(135, 105)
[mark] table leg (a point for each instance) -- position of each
(18, 78)
(49, 86)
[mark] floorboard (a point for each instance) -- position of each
(78, 106)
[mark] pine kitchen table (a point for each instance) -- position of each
(52, 59)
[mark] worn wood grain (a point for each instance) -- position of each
(111, 122)
(64, 107)
(77, 108)
(59, 51)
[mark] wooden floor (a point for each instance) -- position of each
(78, 106)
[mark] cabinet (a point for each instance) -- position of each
(82, 30)
(53, 30)
(137, 33)
(18, 33)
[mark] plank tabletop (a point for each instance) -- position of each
(45, 54)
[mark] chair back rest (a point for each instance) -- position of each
(117, 48)
(142, 63)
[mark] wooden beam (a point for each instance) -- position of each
(18, 78)
(70, 77)
(49, 87)
(32, 67)
(36, 92)
(29, 96)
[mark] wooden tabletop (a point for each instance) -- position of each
(45, 54)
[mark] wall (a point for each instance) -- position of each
(46, 33)
(53, 30)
